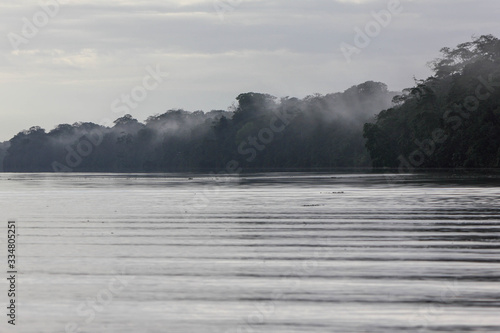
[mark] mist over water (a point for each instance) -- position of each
(259, 253)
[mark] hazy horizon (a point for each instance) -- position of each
(70, 62)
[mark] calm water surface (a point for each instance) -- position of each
(259, 253)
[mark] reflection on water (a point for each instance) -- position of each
(258, 253)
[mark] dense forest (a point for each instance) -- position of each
(261, 132)
(449, 120)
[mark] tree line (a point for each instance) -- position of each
(449, 120)
(260, 132)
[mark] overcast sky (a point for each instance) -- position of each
(79, 64)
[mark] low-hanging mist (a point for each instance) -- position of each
(449, 120)
(261, 131)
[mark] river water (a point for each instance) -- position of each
(256, 253)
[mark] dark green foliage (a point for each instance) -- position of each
(450, 120)
(263, 132)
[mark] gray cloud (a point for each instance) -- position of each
(93, 51)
